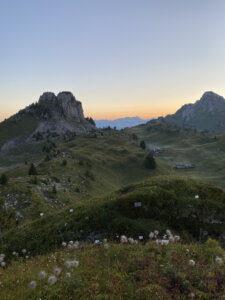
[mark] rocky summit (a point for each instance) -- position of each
(208, 113)
(52, 117)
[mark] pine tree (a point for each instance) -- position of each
(143, 145)
(149, 162)
(32, 170)
(3, 179)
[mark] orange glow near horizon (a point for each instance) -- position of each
(112, 115)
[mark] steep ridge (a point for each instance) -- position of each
(208, 113)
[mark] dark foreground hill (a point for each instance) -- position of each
(191, 209)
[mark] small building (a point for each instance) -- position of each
(184, 166)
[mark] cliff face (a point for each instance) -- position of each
(56, 117)
(208, 113)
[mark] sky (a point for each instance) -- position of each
(120, 58)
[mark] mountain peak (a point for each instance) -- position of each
(58, 117)
(211, 96)
(208, 113)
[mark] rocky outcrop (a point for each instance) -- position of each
(208, 113)
(58, 117)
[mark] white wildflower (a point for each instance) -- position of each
(24, 251)
(191, 262)
(71, 210)
(52, 280)
(67, 264)
(42, 274)
(27, 256)
(196, 196)
(165, 242)
(106, 246)
(219, 260)
(177, 238)
(14, 253)
(131, 241)
(32, 284)
(156, 232)
(75, 263)
(151, 235)
(168, 232)
(123, 239)
(57, 271)
(3, 264)
(76, 245)
(172, 239)
(68, 275)
(71, 243)
(140, 237)
(64, 244)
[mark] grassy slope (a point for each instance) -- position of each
(166, 202)
(14, 128)
(187, 146)
(95, 167)
(121, 272)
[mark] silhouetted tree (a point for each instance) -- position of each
(149, 162)
(3, 179)
(142, 145)
(32, 170)
(64, 163)
(134, 136)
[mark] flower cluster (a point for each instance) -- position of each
(166, 239)
(2, 262)
(71, 263)
(124, 240)
(71, 244)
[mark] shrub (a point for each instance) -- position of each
(32, 170)
(149, 162)
(3, 179)
(134, 136)
(143, 145)
(64, 163)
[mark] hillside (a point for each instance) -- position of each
(208, 113)
(166, 202)
(186, 146)
(89, 166)
(139, 267)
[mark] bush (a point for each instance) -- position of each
(143, 145)
(3, 179)
(134, 136)
(32, 170)
(64, 163)
(149, 162)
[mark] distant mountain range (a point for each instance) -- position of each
(120, 123)
(208, 113)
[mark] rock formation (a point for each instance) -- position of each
(56, 117)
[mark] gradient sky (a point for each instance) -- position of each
(119, 57)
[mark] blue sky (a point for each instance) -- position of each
(119, 57)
